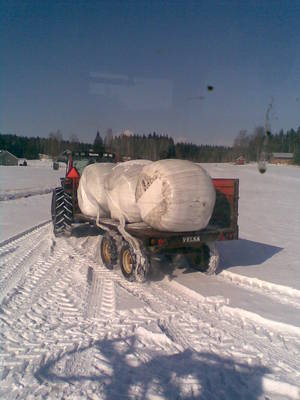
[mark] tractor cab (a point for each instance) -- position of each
(82, 159)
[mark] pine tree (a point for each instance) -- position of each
(296, 157)
(98, 144)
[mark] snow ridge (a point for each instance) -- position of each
(282, 293)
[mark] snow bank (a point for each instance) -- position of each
(175, 195)
(120, 187)
(91, 194)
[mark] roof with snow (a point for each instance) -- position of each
(8, 152)
(282, 155)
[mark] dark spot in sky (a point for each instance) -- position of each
(210, 88)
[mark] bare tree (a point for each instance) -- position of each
(242, 139)
(55, 142)
(74, 141)
(108, 139)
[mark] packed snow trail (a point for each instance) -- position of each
(70, 328)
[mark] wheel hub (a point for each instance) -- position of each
(127, 262)
(106, 251)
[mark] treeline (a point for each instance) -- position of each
(151, 147)
(155, 147)
(31, 147)
(252, 145)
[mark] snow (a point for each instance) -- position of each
(22, 214)
(25, 195)
(16, 182)
(269, 223)
(70, 328)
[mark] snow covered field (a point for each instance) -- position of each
(25, 195)
(72, 329)
(17, 182)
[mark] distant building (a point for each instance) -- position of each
(6, 158)
(240, 160)
(44, 157)
(281, 158)
(126, 158)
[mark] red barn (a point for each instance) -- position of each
(240, 160)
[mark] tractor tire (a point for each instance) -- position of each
(132, 269)
(61, 212)
(109, 250)
(206, 260)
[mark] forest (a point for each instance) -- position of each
(157, 146)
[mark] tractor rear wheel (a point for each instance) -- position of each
(61, 212)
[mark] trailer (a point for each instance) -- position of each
(130, 245)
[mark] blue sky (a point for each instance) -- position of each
(145, 66)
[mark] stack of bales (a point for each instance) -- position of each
(169, 195)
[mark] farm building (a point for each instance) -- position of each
(6, 158)
(44, 157)
(281, 158)
(240, 160)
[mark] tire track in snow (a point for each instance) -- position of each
(42, 275)
(20, 237)
(52, 307)
(154, 300)
(56, 323)
(101, 295)
(20, 195)
(16, 265)
(163, 293)
(15, 250)
(46, 274)
(93, 305)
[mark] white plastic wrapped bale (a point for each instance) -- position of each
(175, 196)
(91, 194)
(120, 188)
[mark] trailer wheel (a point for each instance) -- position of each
(206, 260)
(214, 259)
(61, 212)
(109, 251)
(132, 268)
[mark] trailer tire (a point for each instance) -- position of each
(133, 268)
(61, 212)
(214, 259)
(109, 250)
(206, 260)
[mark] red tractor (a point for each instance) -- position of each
(64, 205)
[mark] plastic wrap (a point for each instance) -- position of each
(175, 195)
(120, 187)
(91, 194)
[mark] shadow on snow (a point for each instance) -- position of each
(245, 252)
(183, 375)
